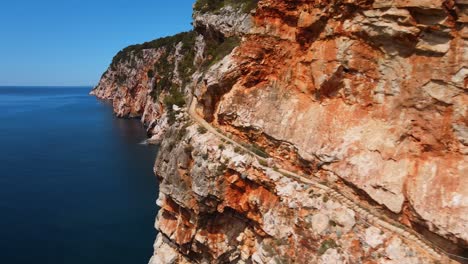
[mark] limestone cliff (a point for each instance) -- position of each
(306, 131)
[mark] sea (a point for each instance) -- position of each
(76, 182)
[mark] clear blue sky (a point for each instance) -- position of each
(71, 42)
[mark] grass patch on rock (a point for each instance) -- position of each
(326, 244)
(216, 50)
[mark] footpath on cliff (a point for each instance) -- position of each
(369, 214)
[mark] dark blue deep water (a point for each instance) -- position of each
(75, 184)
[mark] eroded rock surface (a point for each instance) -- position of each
(220, 205)
(372, 94)
(368, 97)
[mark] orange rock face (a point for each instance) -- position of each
(372, 94)
(368, 97)
(243, 212)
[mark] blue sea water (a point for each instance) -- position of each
(75, 184)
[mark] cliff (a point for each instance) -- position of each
(306, 131)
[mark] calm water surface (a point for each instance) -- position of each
(75, 184)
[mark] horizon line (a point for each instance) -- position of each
(51, 86)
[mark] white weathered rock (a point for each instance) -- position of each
(424, 4)
(331, 256)
(374, 236)
(461, 131)
(459, 78)
(434, 43)
(229, 21)
(345, 218)
(440, 92)
(163, 253)
(320, 223)
(394, 250)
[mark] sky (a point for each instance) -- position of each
(72, 42)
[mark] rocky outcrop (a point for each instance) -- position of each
(220, 205)
(142, 76)
(128, 85)
(366, 97)
(228, 21)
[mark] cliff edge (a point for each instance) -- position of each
(306, 131)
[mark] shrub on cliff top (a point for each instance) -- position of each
(125, 54)
(164, 67)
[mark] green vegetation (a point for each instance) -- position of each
(181, 133)
(221, 169)
(171, 145)
(257, 150)
(327, 244)
(260, 151)
(202, 130)
(214, 6)
(272, 249)
(216, 50)
(175, 97)
(268, 249)
(188, 149)
(164, 67)
(163, 70)
(186, 64)
(121, 79)
(124, 55)
(263, 163)
(325, 198)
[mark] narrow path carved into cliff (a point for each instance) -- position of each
(366, 212)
